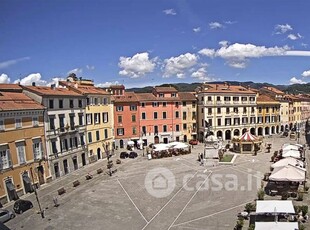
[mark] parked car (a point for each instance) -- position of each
(193, 142)
(133, 155)
(6, 215)
(21, 206)
(123, 155)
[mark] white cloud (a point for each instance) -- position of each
(201, 74)
(301, 53)
(306, 73)
(294, 80)
(281, 29)
(4, 78)
(230, 22)
(196, 30)
(169, 12)
(224, 43)
(176, 66)
(137, 65)
(207, 52)
(215, 25)
(34, 77)
(55, 81)
(90, 67)
(294, 37)
(107, 84)
(239, 64)
(76, 71)
(304, 45)
(8, 63)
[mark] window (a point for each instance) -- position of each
(133, 118)
(155, 104)
(227, 121)
(244, 110)
(106, 134)
(97, 118)
(35, 121)
(51, 104)
(105, 117)
(90, 139)
(87, 101)
(235, 109)
(252, 120)
(156, 129)
(209, 111)
(120, 131)
(89, 118)
(210, 122)
(173, 95)
(218, 98)
(161, 95)
(142, 104)
(133, 108)
(184, 103)
(80, 104)
(18, 123)
(219, 110)
(193, 115)
(267, 109)
(134, 130)
(164, 115)
(252, 110)
(72, 124)
(5, 157)
(177, 128)
(20, 149)
(219, 121)
(227, 111)
(184, 126)
(96, 101)
(37, 149)
(66, 169)
(61, 103)
(119, 108)
(193, 104)
(244, 99)
(244, 120)
(143, 130)
(54, 147)
(1, 125)
(236, 121)
(82, 139)
(105, 101)
(143, 115)
(176, 104)
(236, 99)
(61, 122)
(165, 128)
(63, 145)
(120, 119)
(97, 135)
(81, 119)
(155, 115)
(209, 98)
(259, 109)
(71, 103)
(177, 115)
(71, 142)
(164, 104)
(226, 98)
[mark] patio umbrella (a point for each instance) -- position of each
(288, 161)
(288, 173)
(130, 143)
(290, 147)
(180, 145)
(291, 153)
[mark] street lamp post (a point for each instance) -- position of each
(36, 194)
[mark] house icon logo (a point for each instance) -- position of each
(159, 182)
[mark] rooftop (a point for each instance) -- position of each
(84, 89)
(127, 97)
(273, 89)
(166, 89)
(265, 98)
(50, 91)
(225, 88)
(17, 101)
(10, 87)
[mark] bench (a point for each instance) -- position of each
(88, 177)
(76, 183)
(61, 191)
(99, 170)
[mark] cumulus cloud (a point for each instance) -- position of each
(196, 30)
(90, 67)
(169, 12)
(137, 65)
(281, 29)
(8, 63)
(215, 25)
(76, 71)
(294, 80)
(55, 80)
(306, 73)
(106, 84)
(294, 37)
(34, 77)
(177, 66)
(207, 52)
(201, 74)
(224, 43)
(4, 78)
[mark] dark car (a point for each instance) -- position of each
(21, 206)
(6, 215)
(133, 155)
(193, 142)
(123, 155)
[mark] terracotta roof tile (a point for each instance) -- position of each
(161, 89)
(273, 89)
(225, 88)
(152, 97)
(127, 97)
(265, 98)
(10, 87)
(84, 89)
(48, 91)
(187, 96)
(17, 101)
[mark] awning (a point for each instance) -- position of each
(288, 161)
(291, 153)
(288, 173)
(274, 206)
(276, 225)
(10, 186)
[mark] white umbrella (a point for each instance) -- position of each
(140, 141)
(130, 143)
(290, 147)
(288, 173)
(288, 161)
(180, 145)
(291, 153)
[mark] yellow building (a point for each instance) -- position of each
(99, 117)
(22, 149)
(294, 111)
(189, 115)
(268, 115)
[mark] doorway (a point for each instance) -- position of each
(41, 174)
(185, 138)
(156, 140)
(75, 163)
(99, 153)
(27, 183)
(11, 190)
(56, 170)
(83, 159)
(165, 140)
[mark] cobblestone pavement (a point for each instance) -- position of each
(204, 197)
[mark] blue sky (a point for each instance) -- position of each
(140, 43)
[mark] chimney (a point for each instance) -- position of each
(53, 86)
(33, 84)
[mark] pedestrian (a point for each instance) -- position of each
(55, 200)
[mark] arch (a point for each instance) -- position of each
(286, 127)
(267, 130)
(237, 132)
(277, 129)
(244, 130)
(156, 140)
(260, 131)
(272, 130)
(98, 153)
(219, 134)
(121, 143)
(252, 131)
(282, 128)
(227, 135)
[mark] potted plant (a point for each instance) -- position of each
(251, 227)
(284, 196)
(239, 224)
(249, 207)
(300, 196)
(260, 194)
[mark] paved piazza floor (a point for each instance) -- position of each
(123, 202)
